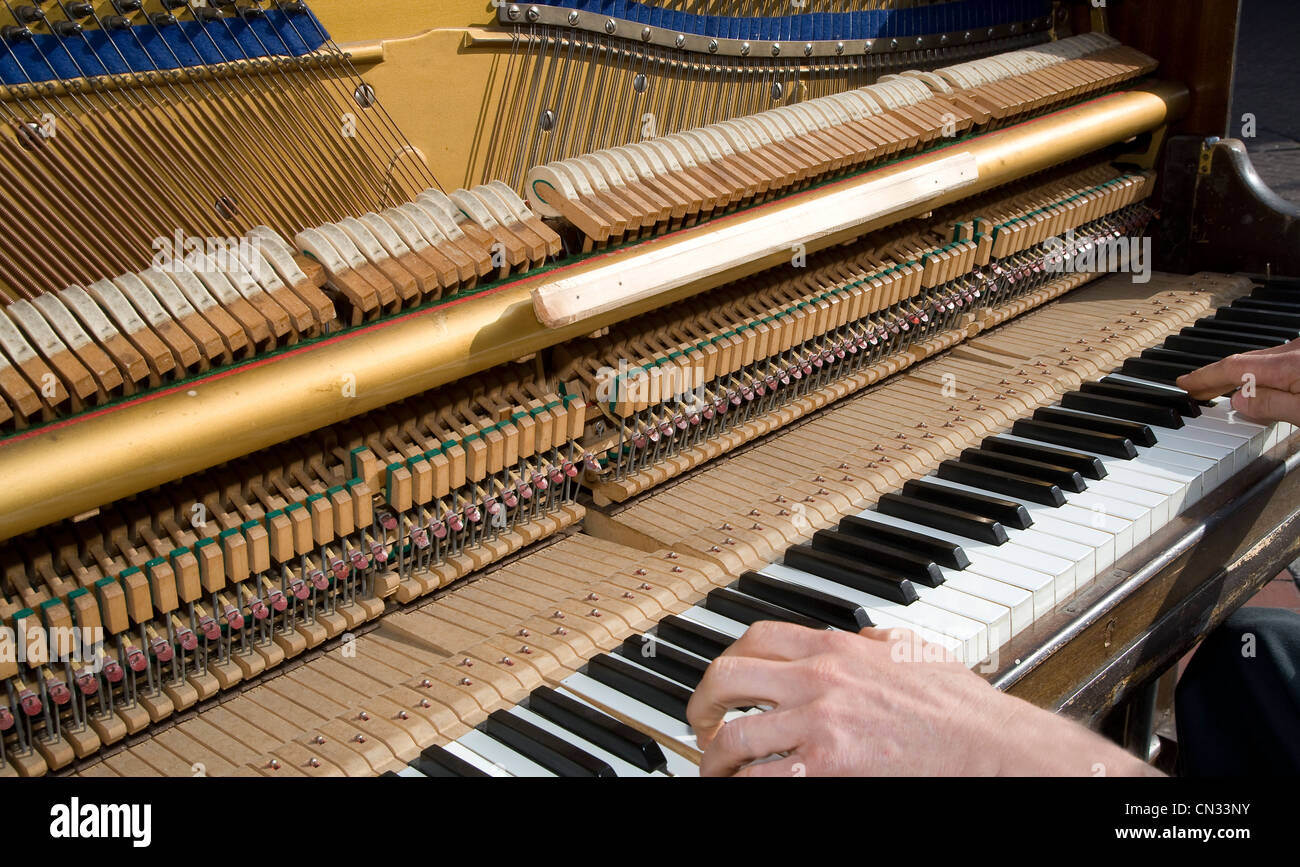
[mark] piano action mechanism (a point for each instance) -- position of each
(378, 382)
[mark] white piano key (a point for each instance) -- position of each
(1138, 517)
(501, 755)
(678, 766)
(656, 723)
(1018, 601)
(464, 753)
(1055, 524)
(1061, 570)
(919, 616)
(621, 767)
(409, 771)
(1157, 504)
(473, 758)
(705, 617)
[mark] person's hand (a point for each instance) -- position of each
(882, 702)
(1267, 383)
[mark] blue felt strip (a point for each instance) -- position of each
(145, 48)
(876, 24)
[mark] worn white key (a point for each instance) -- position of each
(1061, 570)
(621, 767)
(1049, 530)
(919, 616)
(673, 734)
(500, 754)
(468, 755)
(677, 766)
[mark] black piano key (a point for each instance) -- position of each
(1002, 482)
(1140, 434)
(1064, 478)
(850, 573)
(1008, 513)
(1223, 331)
(697, 638)
(1249, 327)
(1156, 371)
(1271, 318)
(941, 517)
(746, 609)
(1088, 466)
(944, 553)
(1219, 348)
(434, 761)
(557, 755)
(1180, 402)
(814, 603)
(614, 737)
(388, 774)
(1139, 411)
(657, 656)
(1170, 356)
(1102, 443)
(646, 687)
(1287, 312)
(1285, 296)
(909, 564)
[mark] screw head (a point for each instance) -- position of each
(534, 14)
(610, 26)
(745, 48)
(574, 18)
(646, 33)
(680, 41)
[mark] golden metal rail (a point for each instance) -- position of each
(84, 462)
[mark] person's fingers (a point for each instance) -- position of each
(1267, 405)
(1267, 370)
(881, 633)
(748, 738)
(771, 639)
(790, 766)
(740, 681)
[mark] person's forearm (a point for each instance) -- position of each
(1036, 742)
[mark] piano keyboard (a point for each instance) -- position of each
(968, 556)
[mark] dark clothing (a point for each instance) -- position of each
(1238, 703)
